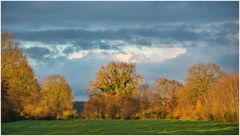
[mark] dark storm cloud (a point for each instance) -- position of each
(37, 15)
(63, 36)
(82, 22)
(36, 52)
(89, 39)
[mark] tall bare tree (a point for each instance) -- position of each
(200, 77)
(166, 86)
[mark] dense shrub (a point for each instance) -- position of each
(157, 113)
(136, 106)
(111, 107)
(69, 114)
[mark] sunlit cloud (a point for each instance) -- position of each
(148, 54)
(133, 54)
(77, 55)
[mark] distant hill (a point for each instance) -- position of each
(78, 105)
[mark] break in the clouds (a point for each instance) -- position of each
(163, 38)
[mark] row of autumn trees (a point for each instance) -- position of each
(117, 92)
(207, 94)
(22, 96)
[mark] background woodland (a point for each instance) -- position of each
(208, 93)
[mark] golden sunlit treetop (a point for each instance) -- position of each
(115, 78)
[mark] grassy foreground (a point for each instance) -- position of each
(144, 127)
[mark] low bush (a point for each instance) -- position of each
(111, 107)
(156, 113)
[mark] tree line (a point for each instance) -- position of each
(208, 93)
(22, 96)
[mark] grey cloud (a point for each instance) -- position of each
(219, 35)
(87, 39)
(88, 45)
(63, 36)
(36, 52)
(35, 14)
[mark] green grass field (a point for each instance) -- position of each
(144, 127)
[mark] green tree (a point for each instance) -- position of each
(56, 97)
(115, 78)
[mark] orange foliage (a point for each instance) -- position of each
(108, 106)
(208, 94)
(222, 99)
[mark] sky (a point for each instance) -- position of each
(163, 39)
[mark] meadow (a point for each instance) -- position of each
(116, 127)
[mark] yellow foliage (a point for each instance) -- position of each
(69, 113)
(56, 96)
(198, 110)
(115, 78)
(20, 84)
